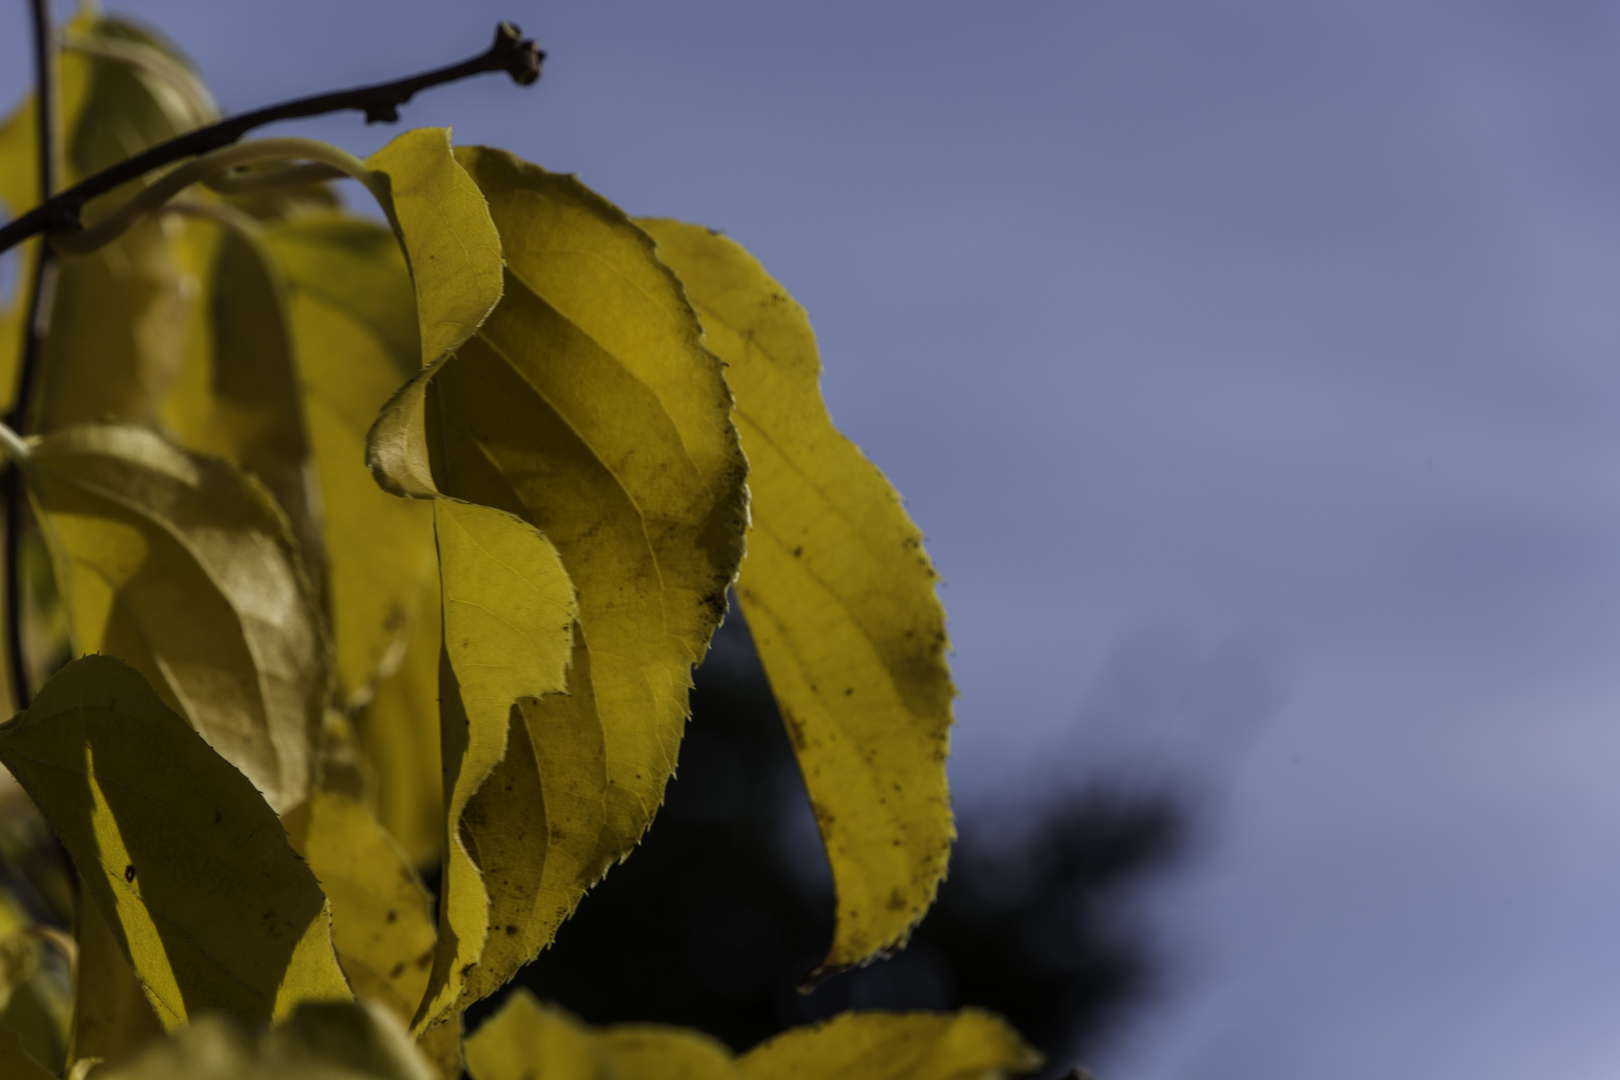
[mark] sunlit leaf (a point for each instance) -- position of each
(111, 1016)
(587, 405)
(189, 864)
(450, 242)
(526, 1039)
(509, 613)
(181, 566)
(839, 596)
(321, 1042)
(382, 926)
(968, 1045)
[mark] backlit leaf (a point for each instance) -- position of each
(839, 597)
(450, 242)
(181, 566)
(189, 864)
(968, 1045)
(509, 611)
(382, 926)
(526, 1039)
(111, 1016)
(587, 405)
(321, 1042)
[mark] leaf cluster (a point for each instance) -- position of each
(377, 548)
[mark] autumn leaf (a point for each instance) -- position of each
(382, 926)
(120, 315)
(527, 1039)
(188, 863)
(111, 1016)
(839, 597)
(182, 566)
(967, 1045)
(586, 405)
(352, 316)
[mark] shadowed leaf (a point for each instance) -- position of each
(188, 863)
(321, 1042)
(182, 566)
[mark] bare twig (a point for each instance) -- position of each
(510, 53)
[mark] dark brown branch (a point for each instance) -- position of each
(510, 53)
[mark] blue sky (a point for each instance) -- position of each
(1253, 371)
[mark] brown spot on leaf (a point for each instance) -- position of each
(129, 872)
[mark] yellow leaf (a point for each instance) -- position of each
(450, 242)
(969, 1045)
(111, 1016)
(120, 314)
(181, 566)
(382, 926)
(508, 612)
(251, 412)
(526, 1039)
(321, 1042)
(839, 597)
(354, 332)
(191, 867)
(587, 405)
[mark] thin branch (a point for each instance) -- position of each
(47, 151)
(510, 53)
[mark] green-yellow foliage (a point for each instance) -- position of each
(398, 546)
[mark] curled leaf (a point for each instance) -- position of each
(587, 406)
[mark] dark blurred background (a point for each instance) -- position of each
(725, 907)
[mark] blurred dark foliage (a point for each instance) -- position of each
(728, 902)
